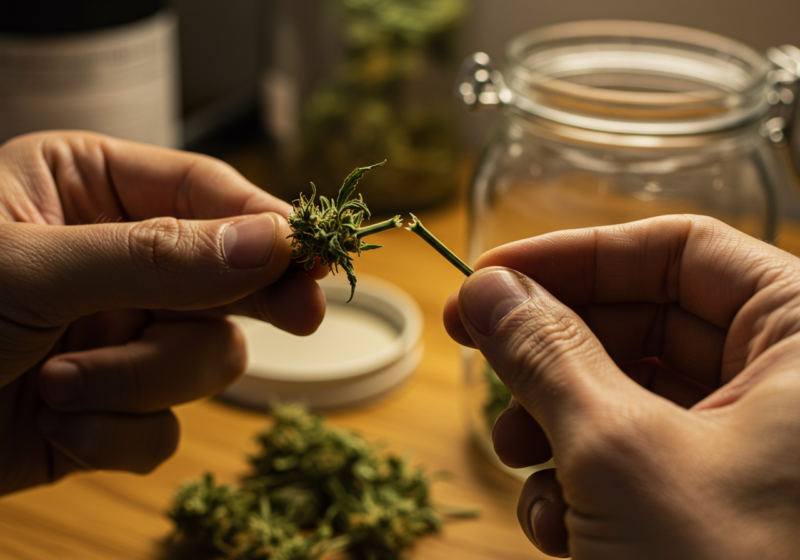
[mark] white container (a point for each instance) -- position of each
(121, 81)
(362, 350)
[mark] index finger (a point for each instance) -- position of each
(705, 266)
(147, 181)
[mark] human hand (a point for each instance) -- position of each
(118, 264)
(658, 361)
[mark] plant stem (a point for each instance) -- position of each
(417, 227)
(391, 223)
(457, 512)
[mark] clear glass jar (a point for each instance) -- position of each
(609, 122)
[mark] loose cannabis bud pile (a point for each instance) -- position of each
(331, 231)
(313, 490)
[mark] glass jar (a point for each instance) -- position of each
(606, 122)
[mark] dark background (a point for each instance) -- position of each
(222, 42)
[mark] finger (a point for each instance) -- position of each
(104, 329)
(295, 304)
(101, 178)
(633, 331)
(708, 268)
(665, 382)
(452, 322)
(136, 443)
(172, 363)
(542, 352)
(317, 272)
(59, 274)
(519, 440)
(541, 510)
(682, 341)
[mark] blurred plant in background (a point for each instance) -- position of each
(388, 98)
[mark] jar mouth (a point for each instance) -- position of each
(637, 78)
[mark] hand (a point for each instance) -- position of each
(660, 362)
(118, 264)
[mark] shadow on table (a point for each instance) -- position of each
(170, 550)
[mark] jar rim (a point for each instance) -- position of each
(635, 77)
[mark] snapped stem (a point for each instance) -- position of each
(391, 223)
(417, 227)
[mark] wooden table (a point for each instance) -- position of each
(121, 516)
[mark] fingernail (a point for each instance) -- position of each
(247, 244)
(63, 382)
(49, 421)
(536, 510)
(491, 297)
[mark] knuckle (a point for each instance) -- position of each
(559, 337)
(541, 345)
(166, 248)
(156, 243)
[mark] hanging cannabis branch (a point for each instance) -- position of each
(332, 230)
(313, 490)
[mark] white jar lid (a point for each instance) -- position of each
(362, 349)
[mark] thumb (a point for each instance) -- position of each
(541, 350)
(56, 274)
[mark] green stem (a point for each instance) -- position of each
(457, 512)
(417, 227)
(391, 223)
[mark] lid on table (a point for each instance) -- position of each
(362, 349)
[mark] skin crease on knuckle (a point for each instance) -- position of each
(161, 246)
(779, 307)
(537, 343)
(159, 243)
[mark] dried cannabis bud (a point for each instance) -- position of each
(331, 231)
(313, 490)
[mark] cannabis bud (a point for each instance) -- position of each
(313, 490)
(332, 230)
